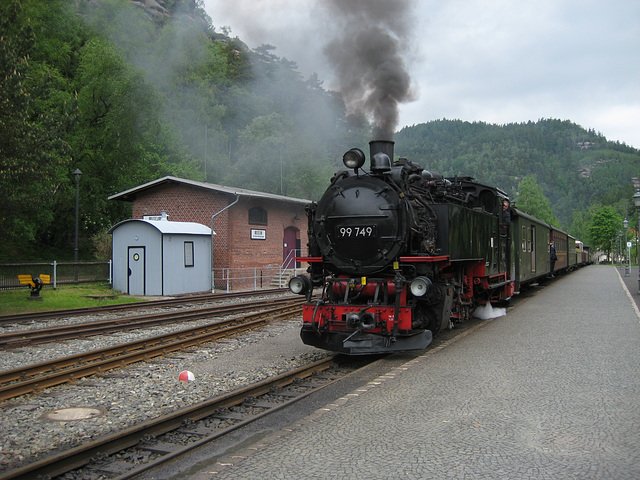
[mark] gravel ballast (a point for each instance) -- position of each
(128, 396)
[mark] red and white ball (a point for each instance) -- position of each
(186, 376)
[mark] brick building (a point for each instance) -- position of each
(255, 233)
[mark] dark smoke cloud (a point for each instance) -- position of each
(367, 55)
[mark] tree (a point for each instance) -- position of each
(532, 201)
(604, 229)
(123, 138)
(34, 117)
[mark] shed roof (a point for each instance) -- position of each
(130, 195)
(169, 227)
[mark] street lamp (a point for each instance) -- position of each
(620, 248)
(636, 201)
(625, 224)
(77, 174)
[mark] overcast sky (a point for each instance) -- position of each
(490, 60)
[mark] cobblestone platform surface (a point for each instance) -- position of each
(550, 391)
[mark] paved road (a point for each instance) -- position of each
(550, 391)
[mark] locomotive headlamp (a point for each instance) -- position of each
(300, 284)
(354, 158)
(420, 286)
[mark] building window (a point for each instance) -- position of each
(257, 216)
(188, 254)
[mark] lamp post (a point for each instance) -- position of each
(620, 248)
(625, 224)
(636, 201)
(77, 174)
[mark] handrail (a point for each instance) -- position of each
(291, 256)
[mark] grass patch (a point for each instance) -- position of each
(62, 298)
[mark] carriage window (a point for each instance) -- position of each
(257, 216)
(188, 254)
(524, 238)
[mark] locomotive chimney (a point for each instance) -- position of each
(381, 153)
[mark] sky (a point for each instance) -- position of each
(496, 61)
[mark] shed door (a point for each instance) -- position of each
(136, 264)
(289, 247)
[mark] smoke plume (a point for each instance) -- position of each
(367, 58)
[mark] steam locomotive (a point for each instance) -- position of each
(402, 253)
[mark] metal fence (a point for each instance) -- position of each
(60, 272)
(255, 278)
(224, 279)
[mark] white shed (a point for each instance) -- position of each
(159, 257)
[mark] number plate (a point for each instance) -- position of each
(356, 231)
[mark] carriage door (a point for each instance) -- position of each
(289, 247)
(533, 249)
(136, 271)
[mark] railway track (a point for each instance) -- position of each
(34, 378)
(169, 302)
(79, 330)
(119, 455)
(161, 440)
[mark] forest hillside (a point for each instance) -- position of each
(575, 168)
(128, 91)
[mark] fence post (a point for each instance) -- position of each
(55, 274)
(255, 279)
(228, 274)
(111, 273)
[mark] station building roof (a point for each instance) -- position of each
(130, 195)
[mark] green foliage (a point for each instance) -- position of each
(574, 167)
(129, 97)
(581, 222)
(102, 245)
(604, 228)
(35, 115)
(531, 200)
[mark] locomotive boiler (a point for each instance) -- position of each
(400, 253)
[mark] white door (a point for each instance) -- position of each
(136, 283)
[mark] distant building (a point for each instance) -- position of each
(256, 232)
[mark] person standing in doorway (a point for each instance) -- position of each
(552, 256)
(506, 216)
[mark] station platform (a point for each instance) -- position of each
(549, 391)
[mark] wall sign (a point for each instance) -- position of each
(258, 234)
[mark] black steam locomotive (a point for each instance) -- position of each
(402, 253)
